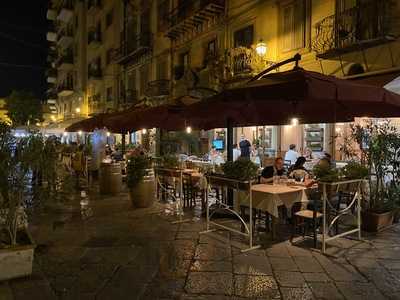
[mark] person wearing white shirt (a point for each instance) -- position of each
(236, 152)
(292, 154)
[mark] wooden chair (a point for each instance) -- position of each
(306, 218)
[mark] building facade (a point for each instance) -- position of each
(3, 112)
(125, 52)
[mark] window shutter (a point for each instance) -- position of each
(287, 27)
(299, 25)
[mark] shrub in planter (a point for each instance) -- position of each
(170, 161)
(241, 169)
(139, 180)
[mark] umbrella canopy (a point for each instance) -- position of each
(309, 96)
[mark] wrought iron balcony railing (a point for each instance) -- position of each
(130, 96)
(132, 49)
(366, 24)
(158, 88)
(94, 36)
(95, 72)
(244, 62)
(192, 14)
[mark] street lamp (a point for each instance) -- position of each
(188, 129)
(78, 110)
(261, 48)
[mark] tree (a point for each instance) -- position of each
(23, 108)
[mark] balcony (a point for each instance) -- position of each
(65, 89)
(133, 49)
(94, 38)
(51, 14)
(66, 11)
(158, 88)
(95, 73)
(94, 6)
(51, 75)
(363, 26)
(51, 34)
(66, 38)
(193, 15)
(244, 63)
(129, 97)
(66, 62)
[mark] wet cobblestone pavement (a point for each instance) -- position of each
(112, 251)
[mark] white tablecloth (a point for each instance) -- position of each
(267, 197)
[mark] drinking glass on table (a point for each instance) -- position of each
(275, 180)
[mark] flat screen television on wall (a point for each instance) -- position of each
(218, 144)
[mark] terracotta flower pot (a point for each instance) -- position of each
(374, 222)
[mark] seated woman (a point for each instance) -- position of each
(297, 171)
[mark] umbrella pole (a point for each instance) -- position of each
(229, 147)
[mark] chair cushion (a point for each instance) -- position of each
(307, 214)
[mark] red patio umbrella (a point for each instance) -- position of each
(309, 96)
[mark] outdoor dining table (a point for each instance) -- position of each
(268, 197)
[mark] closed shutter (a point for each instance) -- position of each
(162, 69)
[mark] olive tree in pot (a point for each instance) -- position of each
(18, 158)
(140, 180)
(378, 145)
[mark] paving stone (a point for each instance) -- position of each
(212, 252)
(255, 286)
(298, 251)
(365, 263)
(390, 264)
(326, 291)
(210, 283)
(211, 266)
(278, 250)
(297, 293)
(308, 264)
(184, 249)
(251, 264)
(283, 264)
(112, 255)
(339, 271)
(394, 296)
(359, 290)
(290, 279)
(31, 289)
(384, 280)
(316, 277)
(164, 289)
(388, 253)
(187, 235)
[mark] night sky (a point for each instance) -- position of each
(23, 50)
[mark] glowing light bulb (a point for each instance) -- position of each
(294, 122)
(108, 133)
(65, 133)
(261, 48)
(78, 110)
(144, 131)
(188, 129)
(80, 132)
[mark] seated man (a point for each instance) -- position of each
(269, 172)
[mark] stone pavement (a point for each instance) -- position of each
(112, 251)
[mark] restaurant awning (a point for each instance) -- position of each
(309, 96)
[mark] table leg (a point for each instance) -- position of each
(273, 227)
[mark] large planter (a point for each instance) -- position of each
(374, 222)
(17, 261)
(142, 194)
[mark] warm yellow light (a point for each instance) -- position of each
(338, 129)
(294, 122)
(108, 133)
(78, 110)
(80, 132)
(53, 118)
(261, 48)
(188, 129)
(144, 131)
(65, 133)
(37, 124)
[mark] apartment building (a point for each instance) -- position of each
(82, 75)
(126, 52)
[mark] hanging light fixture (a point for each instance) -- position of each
(65, 133)
(78, 110)
(261, 48)
(144, 131)
(294, 122)
(80, 132)
(108, 133)
(188, 129)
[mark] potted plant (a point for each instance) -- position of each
(377, 144)
(140, 180)
(18, 158)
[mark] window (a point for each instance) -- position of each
(162, 69)
(109, 18)
(212, 47)
(184, 60)
(162, 18)
(144, 78)
(109, 94)
(293, 30)
(132, 80)
(244, 37)
(109, 56)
